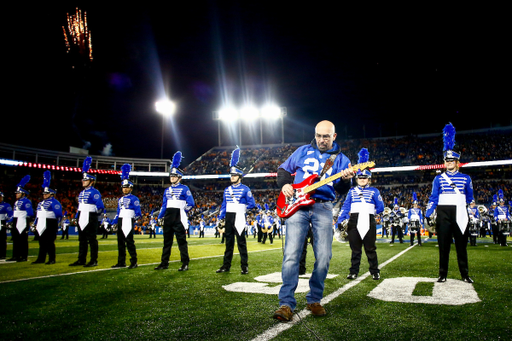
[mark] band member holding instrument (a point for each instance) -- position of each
(5, 218)
(415, 219)
(502, 215)
(307, 160)
(90, 206)
(49, 214)
(64, 225)
(128, 211)
(236, 201)
(361, 205)
(23, 212)
(474, 220)
(452, 191)
(177, 200)
(105, 226)
(268, 226)
(396, 218)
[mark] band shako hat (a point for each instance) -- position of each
(449, 142)
(176, 161)
(47, 177)
(125, 175)
(500, 196)
(20, 188)
(414, 198)
(364, 156)
(85, 169)
(235, 157)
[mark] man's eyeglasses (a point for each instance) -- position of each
(323, 137)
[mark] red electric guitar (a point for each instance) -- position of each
(302, 191)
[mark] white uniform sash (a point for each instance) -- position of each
(502, 214)
(127, 216)
(180, 204)
(363, 220)
(85, 209)
(21, 223)
(42, 215)
(459, 200)
(2, 217)
(239, 210)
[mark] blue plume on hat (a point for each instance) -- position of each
(176, 159)
(235, 157)
(266, 207)
(414, 197)
(364, 155)
(494, 198)
(396, 202)
(449, 137)
(24, 181)
(125, 171)
(87, 164)
(47, 177)
(500, 195)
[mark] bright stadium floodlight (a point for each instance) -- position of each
(166, 108)
(228, 114)
(271, 112)
(249, 113)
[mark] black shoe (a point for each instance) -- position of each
(467, 279)
(37, 262)
(245, 270)
(184, 267)
(77, 263)
(11, 260)
(133, 266)
(162, 266)
(222, 269)
(118, 266)
(352, 276)
(50, 262)
(22, 260)
(441, 279)
(91, 264)
(376, 276)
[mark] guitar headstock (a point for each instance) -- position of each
(363, 166)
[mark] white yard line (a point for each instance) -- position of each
(280, 327)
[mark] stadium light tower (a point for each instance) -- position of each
(166, 108)
(250, 113)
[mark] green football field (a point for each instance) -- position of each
(53, 302)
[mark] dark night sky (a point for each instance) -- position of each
(393, 70)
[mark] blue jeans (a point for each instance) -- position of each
(319, 216)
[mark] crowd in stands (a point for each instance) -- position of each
(408, 150)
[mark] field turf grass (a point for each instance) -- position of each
(58, 302)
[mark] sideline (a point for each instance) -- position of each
(297, 317)
(115, 269)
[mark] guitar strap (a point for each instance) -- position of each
(328, 164)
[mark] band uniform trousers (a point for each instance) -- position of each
(88, 236)
(3, 240)
(124, 243)
(356, 244)
(447, 229)
(241, 242)
(65, 233)
(173, 226)
(397, 230)
(47, 241)
(19, 241)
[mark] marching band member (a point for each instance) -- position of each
(128, 211)
(90, 206)
(152, 226)
(268, 224)
(361, 205)
(502, 215)
(305, 161)
(23, 212)
(415, 219)
(236, 201)
(5, 218)
(49, 214)
(64, 225)
(201, 228)
(494, 221)
(474, 219)
(396, 217)
(451, 192)
(177, 200)
(105, 223)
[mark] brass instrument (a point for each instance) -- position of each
(340, 234)
(432, 226)
(482, 209)
(221, 226)
(387, 210)
(268, 228)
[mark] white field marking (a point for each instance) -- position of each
(280, 327)
(108, 269)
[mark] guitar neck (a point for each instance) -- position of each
(336, 176)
